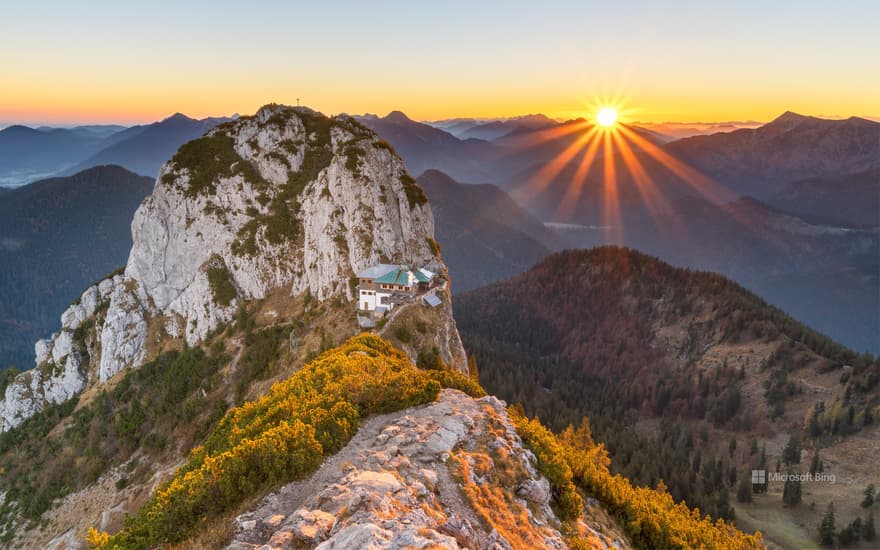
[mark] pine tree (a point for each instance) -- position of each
(814, 463)
(869, 493)
(826, 528)
(869, 533)
(792, 452)
(744, 489)
(791, 493)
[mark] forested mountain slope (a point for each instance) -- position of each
(672, 366)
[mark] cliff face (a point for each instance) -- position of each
(286, 198)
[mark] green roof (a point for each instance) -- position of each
(401, 275)
(398, 276)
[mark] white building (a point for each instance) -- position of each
(383, 286)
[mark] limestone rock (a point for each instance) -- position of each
(397, 484)
(286, 199)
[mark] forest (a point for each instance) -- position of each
(577, 336)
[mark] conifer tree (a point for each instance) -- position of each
(869, 493)
(744, 489)
(826, 528)
(869, 533)
(814, 463)
(791, 493)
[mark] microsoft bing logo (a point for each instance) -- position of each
(759, 481)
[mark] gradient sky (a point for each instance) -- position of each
(128, 61)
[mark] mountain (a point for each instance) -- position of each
(457, 126)
(677, 367)
(849, 200)
(492, 130)
(424, 147)
(678, 130)
(225, 365)
(27, 154)
(144, 149)
(57, 236)
(824, 275)
(762, 160)
(251, 233)
(486, 236)
(518, 145)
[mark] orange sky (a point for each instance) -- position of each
(681, 61)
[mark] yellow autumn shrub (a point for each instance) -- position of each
(650, 516)
(282, 436)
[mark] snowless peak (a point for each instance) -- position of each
(177, 117)
(397, 116)
(284, 199)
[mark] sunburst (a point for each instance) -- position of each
(604, 133)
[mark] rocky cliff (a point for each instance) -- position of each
(287, 198)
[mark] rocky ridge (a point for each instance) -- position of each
(286, 198)
(450, 474)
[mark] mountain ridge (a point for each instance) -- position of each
(654, 355)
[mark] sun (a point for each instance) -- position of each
(607, 117)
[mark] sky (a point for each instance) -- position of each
(129, 61)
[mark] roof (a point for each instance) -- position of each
(431, 299)
(397, 276)
(376, 271)
(423, 275)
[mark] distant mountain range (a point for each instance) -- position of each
(763, 160)
(500, 128)
(486, 236)
(57, 236)
(27, 153)
(144, 149)
(424, 147)
(811, 246)
(474, 127)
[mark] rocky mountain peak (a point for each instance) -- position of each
(284, 199)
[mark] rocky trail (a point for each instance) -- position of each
(397, 484)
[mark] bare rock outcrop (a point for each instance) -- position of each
(287, 198)
(451, 474)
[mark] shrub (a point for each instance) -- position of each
(415, 195)
(650, 516)
(280, 437)
(403, 334)
(352, 158)
(222, 287)
(434, 245)
(206, 160)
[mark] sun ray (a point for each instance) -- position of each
(646, 187)
(573, 192)
(537, 137)
(611, 220)
(706, 186)
(549, 171)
